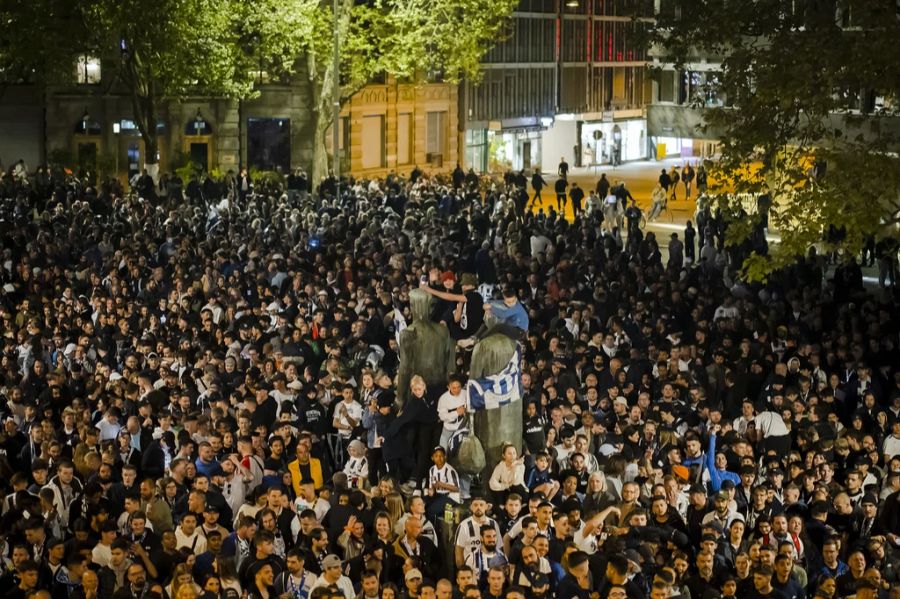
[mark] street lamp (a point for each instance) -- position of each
(198, 123)
(117, 127)
(573, 3)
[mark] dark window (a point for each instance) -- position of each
(269, 144)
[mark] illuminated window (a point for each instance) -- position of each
(87, 69)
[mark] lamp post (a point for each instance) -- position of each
(198, 123)
(336, 106)
(116, 128)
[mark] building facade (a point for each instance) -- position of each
(680, 95)
(397, 126)
(570, 81)
(88, 124)
(675, 113)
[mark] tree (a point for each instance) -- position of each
(812, 95)
(171, 49)
(29, 57)
(161, 49)
(407, 39)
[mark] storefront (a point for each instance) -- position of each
(667, 147)
(500, 146)
(514, 150)
(503, 150)
(613, 142)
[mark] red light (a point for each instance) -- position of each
(557, 40)
(590, 38)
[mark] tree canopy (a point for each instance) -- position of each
(161, 50)
(805, 83)
(407, 39)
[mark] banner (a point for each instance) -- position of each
(399, 322)
(498, 390)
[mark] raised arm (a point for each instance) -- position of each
(715, 480)
(450, 297)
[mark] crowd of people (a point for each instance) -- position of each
(199, 400)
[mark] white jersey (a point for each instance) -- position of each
(447, 475)
(468, 535)
(356, 469)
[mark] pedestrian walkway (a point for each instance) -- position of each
(640, 178)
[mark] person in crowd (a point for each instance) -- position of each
(211, 411)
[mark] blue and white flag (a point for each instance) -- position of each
(498, 390)
(399, 322)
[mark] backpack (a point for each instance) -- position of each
(466, 452)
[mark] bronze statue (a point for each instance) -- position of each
(426, 349)
(504, 424)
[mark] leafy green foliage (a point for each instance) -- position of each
(171, 49)
(450, 36)
(32, 32)
(407, 39)
(800, 79)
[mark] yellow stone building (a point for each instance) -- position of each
(395, 126)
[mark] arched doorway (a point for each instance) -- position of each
(198, 142)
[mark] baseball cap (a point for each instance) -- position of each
(412, 574)
(331, 561)
(713, 525)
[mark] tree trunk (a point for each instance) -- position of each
(143, 102)
(320, 155)
(151, 149)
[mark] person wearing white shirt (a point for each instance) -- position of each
(451, 409)
(357, 466)
(332, 576)
(442, 485)
(587, 536)
(308, 500)
(233, 484)
(747, 412)
(509, 474)
(102, 551)
(295, 581)
(770, 428)
(347, 413)
(281, 392)
(891, 445)
(109, 426)
(188, 535)
(726, 310)
(468, 535)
